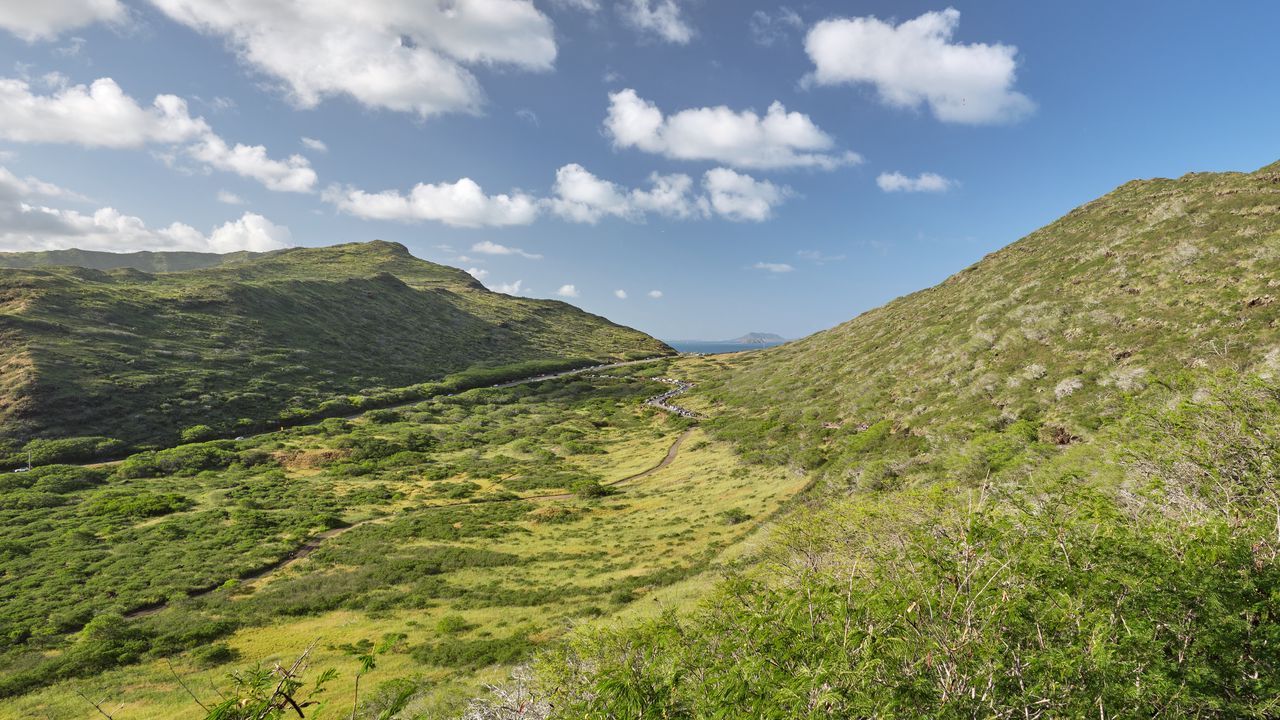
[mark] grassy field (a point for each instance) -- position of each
(467, 590)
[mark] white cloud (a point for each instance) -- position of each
(28, 225)
(402, 55)
(582, 197)
(925, 182)
(779, 139)
(661, 19)
(293, 174)
(739, 197)
(515, 288)
(567, 291)
(229, 198)
(528, 116)
(655, 294)
(620, 294)
(314, 144)
(584, 5)
(773, 267)
(478, 273)
(72, 49)
(98, 115)
(485, 247)
(102, 115)
(577, 196)
(916, 63)
(459, 204)
(250, 232)
(768, 29)
(34, 20)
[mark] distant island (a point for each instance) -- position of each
(758, 338)
(750, 341)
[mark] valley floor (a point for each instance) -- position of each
(521, 513)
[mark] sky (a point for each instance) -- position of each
(697, 169)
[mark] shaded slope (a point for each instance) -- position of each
(138, 356)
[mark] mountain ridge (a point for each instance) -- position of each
(248, 338)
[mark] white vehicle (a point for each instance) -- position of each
(23, 470)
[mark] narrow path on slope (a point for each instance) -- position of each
(313, 543)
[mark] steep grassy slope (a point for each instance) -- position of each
(138, 357)
(1048, 488)
(1156, 277)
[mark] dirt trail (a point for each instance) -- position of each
(314, 543)
(418, 401)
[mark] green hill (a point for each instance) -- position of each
(253, 340)
(1156, 278)
(146, 261)
(1046, 487)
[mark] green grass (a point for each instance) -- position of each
(263, 339)
(1043, 488)
(519, 573)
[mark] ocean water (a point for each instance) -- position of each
(704, 346)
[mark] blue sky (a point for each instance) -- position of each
(908, 140)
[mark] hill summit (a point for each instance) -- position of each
(136, 356)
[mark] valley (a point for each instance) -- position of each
(473, 528)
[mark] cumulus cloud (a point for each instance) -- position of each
(916, 63)
(229, 198)
(620, 294)
(779, 139)
(924, 182)
(458, 204)
(485, 247)
(478, 273)
(740, 197)
(773, 267)
(314, 144)
(567, 291)
(97, 115)
(659, 19)
(515, 288)
(768, 29)
(655, 294)
(293, 174)
(582, 197)
(34, 20)
(102, 115)
(402, 55)
(577, 196)
(26, 223)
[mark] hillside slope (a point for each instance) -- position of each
(1157, 277)
(138, 356)
(145, 261)
(1046, 487)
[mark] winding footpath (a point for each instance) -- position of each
(314, 542)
